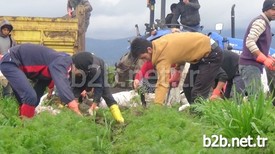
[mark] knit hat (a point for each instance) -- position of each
(83, 60)
(268, 4)
(7, 26)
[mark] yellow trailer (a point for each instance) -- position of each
(60, 34)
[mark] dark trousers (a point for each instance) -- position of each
(200, 77)
(238, 84)
(23, 89)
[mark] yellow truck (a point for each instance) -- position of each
(61, 34)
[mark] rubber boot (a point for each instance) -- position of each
(27, 111)
(116, 113)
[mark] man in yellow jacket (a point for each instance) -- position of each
(199, 50)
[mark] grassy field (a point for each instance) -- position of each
(156, 129)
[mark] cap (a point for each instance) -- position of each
(268, 4)
(83, 60)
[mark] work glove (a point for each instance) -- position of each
(175, 79)
(269, 62)
(116, 113)
(73, 105)
(216, 94)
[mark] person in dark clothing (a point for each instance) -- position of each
(188, 11)
(6, 41)
(228, 76)
(80, 9)
(168, 18)
(41, 65)
(84, 6)
(90, 74)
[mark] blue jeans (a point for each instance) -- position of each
(251, 76)
(197, 28)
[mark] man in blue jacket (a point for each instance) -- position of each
(42, 65)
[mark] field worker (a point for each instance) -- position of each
(177, 48)
(41, 65)
(228, 77)
(90, 73)
(188, 12)
(168, 18)
(87, 9)
(6, 41)
(255, 55)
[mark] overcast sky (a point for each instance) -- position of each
(113, 19)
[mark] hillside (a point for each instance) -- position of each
(108, 50)
(112, 50)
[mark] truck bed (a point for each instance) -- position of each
(57, 33)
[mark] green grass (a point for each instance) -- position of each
(235, 118)
(155, 129)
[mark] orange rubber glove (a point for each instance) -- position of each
(175, 79)
(73, 105)
(215, 94)
(267, 61)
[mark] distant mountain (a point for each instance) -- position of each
(109, 50)
(239, 33)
